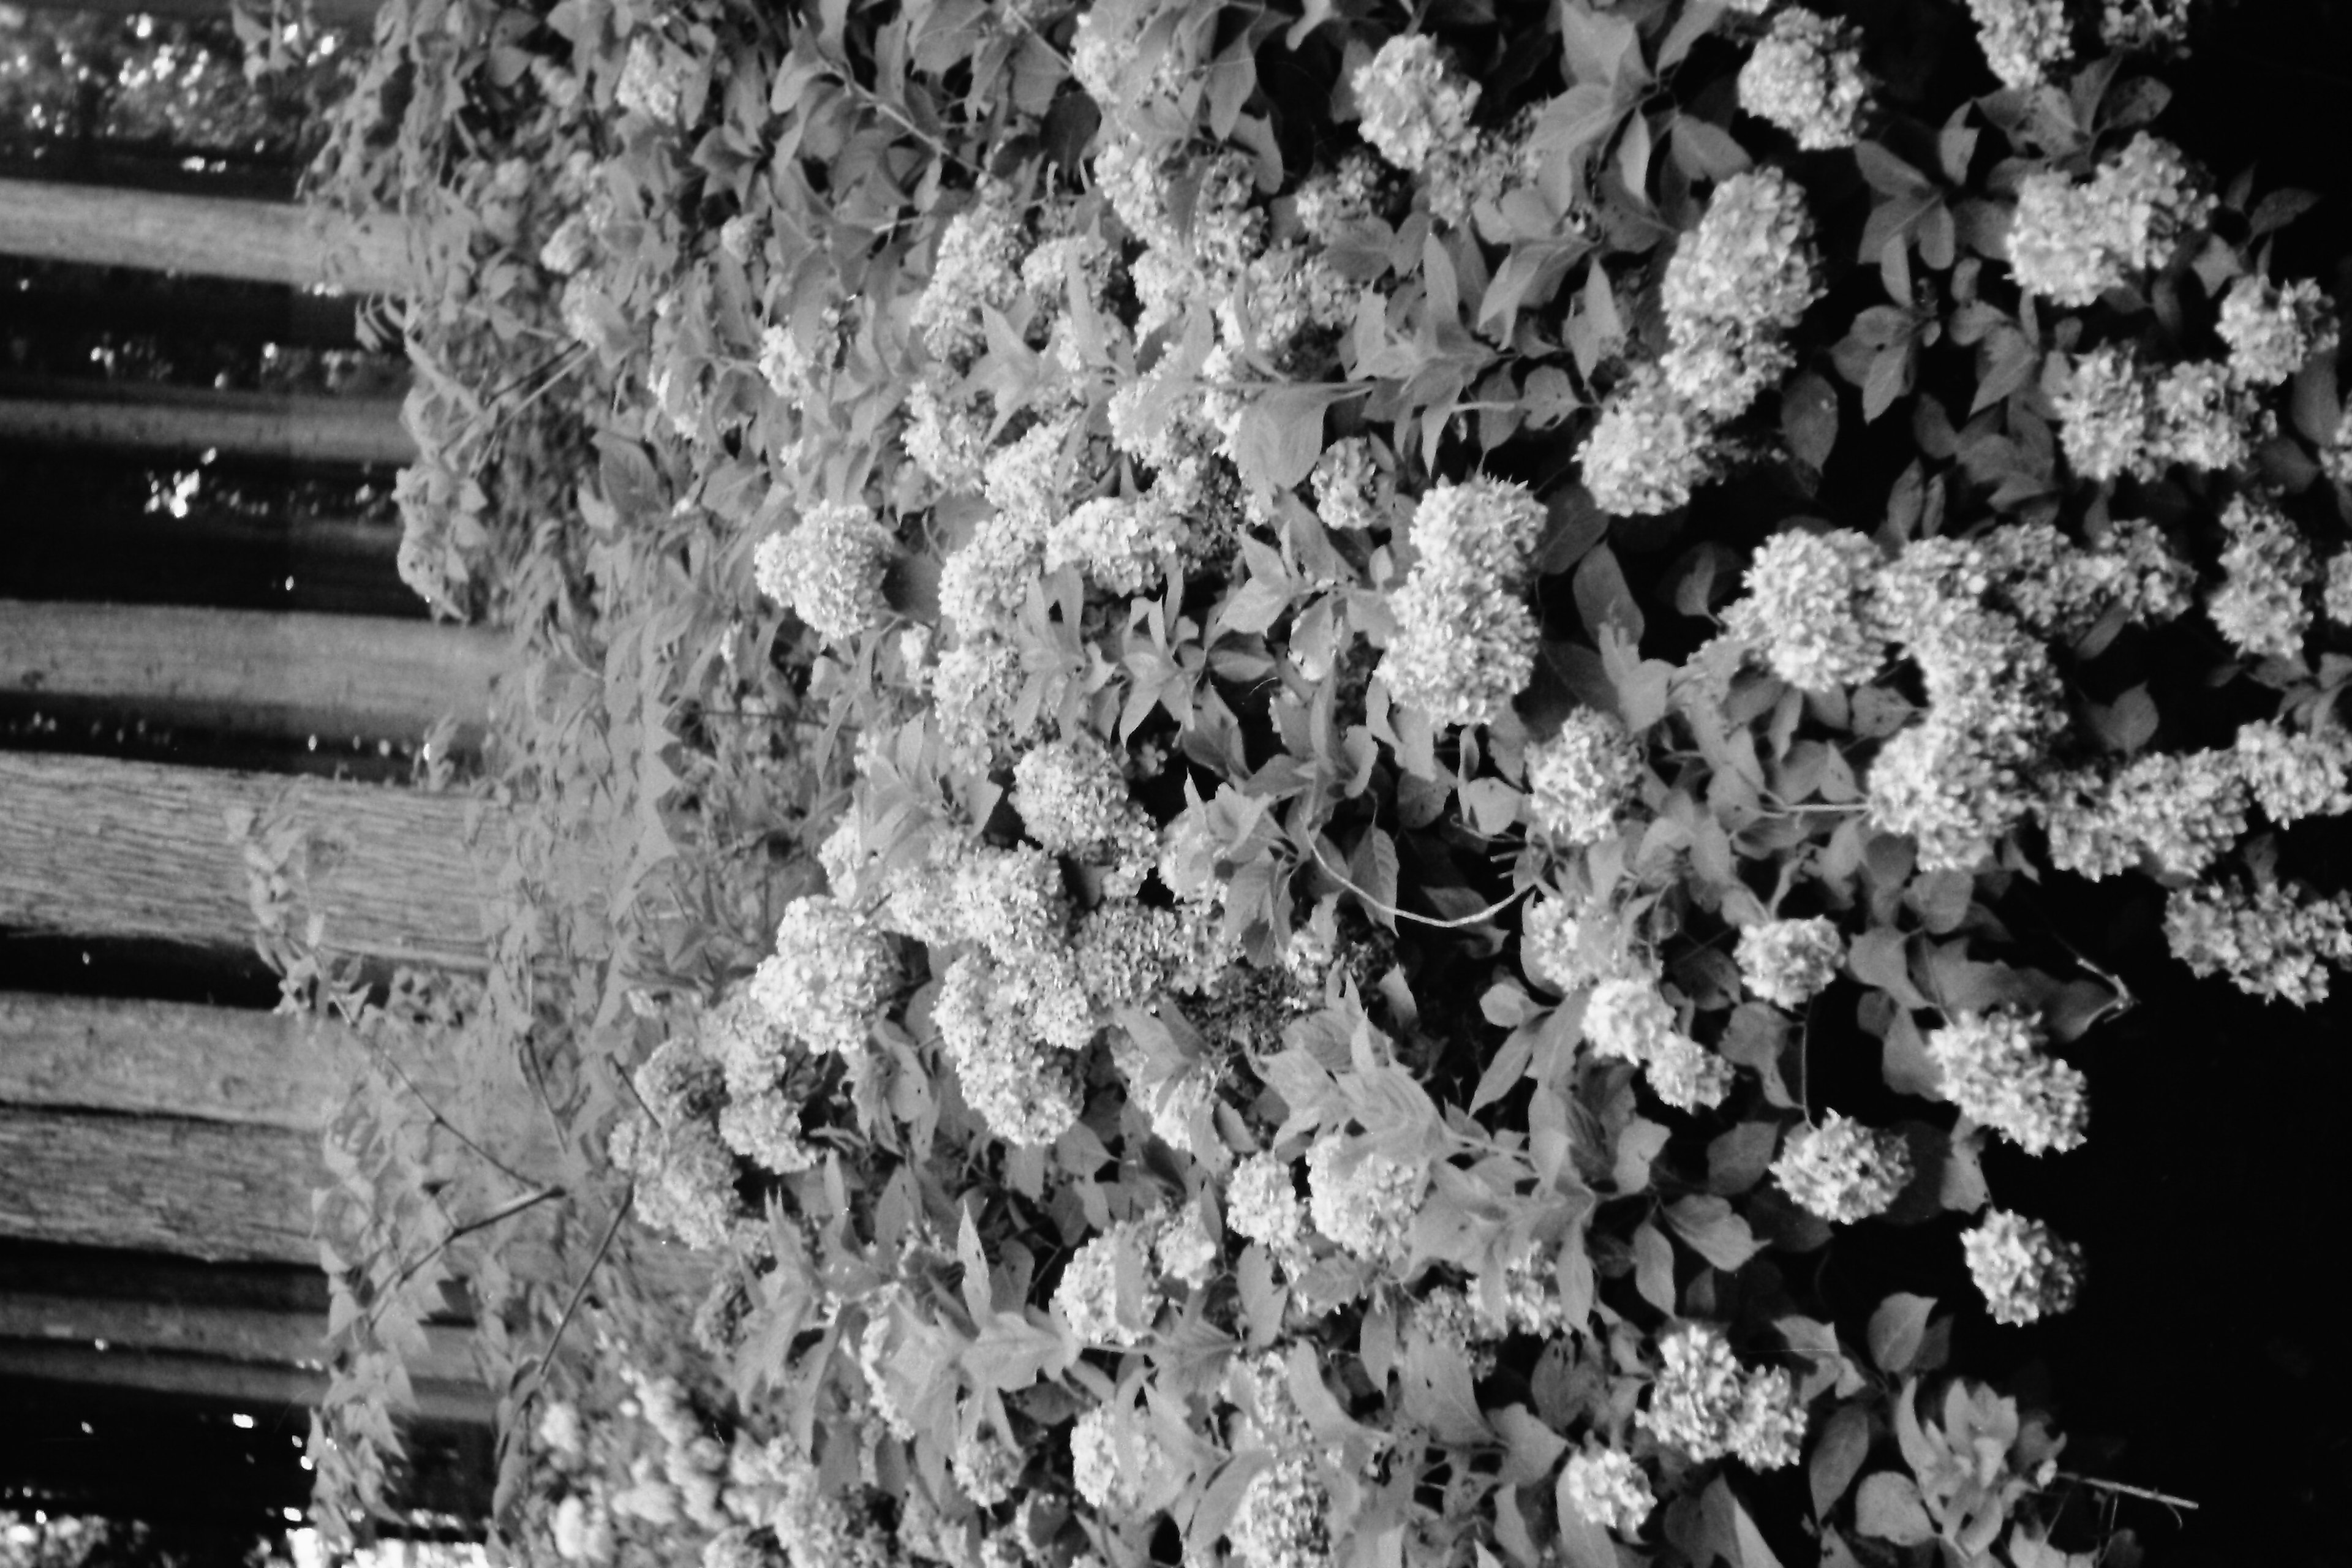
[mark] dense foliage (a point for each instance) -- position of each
(1297, 771)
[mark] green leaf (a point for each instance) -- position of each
(1281, 433)
(1838, 1454)
(1705, 151)
(1736, 1160)
(1713, 1231)
(1603, 599)
(1888, 1507)
(1896, 1331)
(1639, 1143)
(1809, 418)
(1654, 1266)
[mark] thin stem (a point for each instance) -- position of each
(2142, 1493)
(580, 1291)
(384, 1060)
(1395, 913)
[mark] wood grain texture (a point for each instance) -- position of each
(212, 1064)
(261, 1387)
(277, 672)
(283, 429)
(98, 846)
(207, 236)
(225, 1333)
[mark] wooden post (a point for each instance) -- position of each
(290, 674)
(149, 416)
(211, 1377)
(233, 312)
(95, 847)
(213, 236)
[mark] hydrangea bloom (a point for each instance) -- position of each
(1563, 948)
(1263, 1205)
(985, 1466)
(1090, 1298)
(2198, 420)
(2071, 243)
(1706, 1405)
(1842, 1170)
(1415, 109)
(2335, 593)
(2273, 330)
(2274, 942)
(1020, 1089)
(1737, 283)
(653, 79)
(1649, 448)
(2024, 40)
(1994, 1068)
(1115, 1463)
(2153, 24)
(1789, 961)
(2293, 776)
(1465, 640)
(978, 267)
(1627, 1018)
(2265, 567)
(1123, 544)
(1365, 1205)
(2334, 458)
(1688, 1076)
(2024, 1270)
(1809, 608)
(2104, 415)
(828, 570)
(1805, 77)
(1607, 1487)
(830, 976)
(2184, 809)
(1072, 797)
(1279, 1522)
(1583, 777)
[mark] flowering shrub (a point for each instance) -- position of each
(1240, 530)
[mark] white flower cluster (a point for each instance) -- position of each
(1091, 1297)
(2025, 1271)
(1705, 1403)
(1348, 484)
(828, 571)
(985, 1466)
(1789, 963)
(2292, 775)
(1810, 608)
(1583, 777)
(1607, 1487)
(2184, 809)
(1334, 200)
(2275, 943)
(2116, 418)
(977, 267)
(1961, 778)
(2265, 567)
(2024, 40)
(976, 689)
(1648, 450)
(1739, 283)
(1465, 640)
(1185, 1250)
(1262, 1205)
(830, 976)
(1115, 1462)
(2149, 25)
(1280, 1521)
(1360, 1199)
(1842, 1170)
(1805, 77)
(1416, 109)
(2071, 243)
(1072, 797)
(2335, 590)
(1629, 1019)
(987, 1018)
(653, 79)
(2336, 457)
(2273, 331)
(1565, 947)
(1993, 1067)
(1123, 544)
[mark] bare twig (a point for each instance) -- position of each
(1489, 912)
(580, 1291)
(2142, 1493)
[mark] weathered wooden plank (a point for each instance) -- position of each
(277, 672)
(211, 237)
(211, 1064)
(223, 1333)
(126, 417)
(212, 1378)
(96, 846)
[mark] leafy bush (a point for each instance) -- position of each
(1437, 673)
